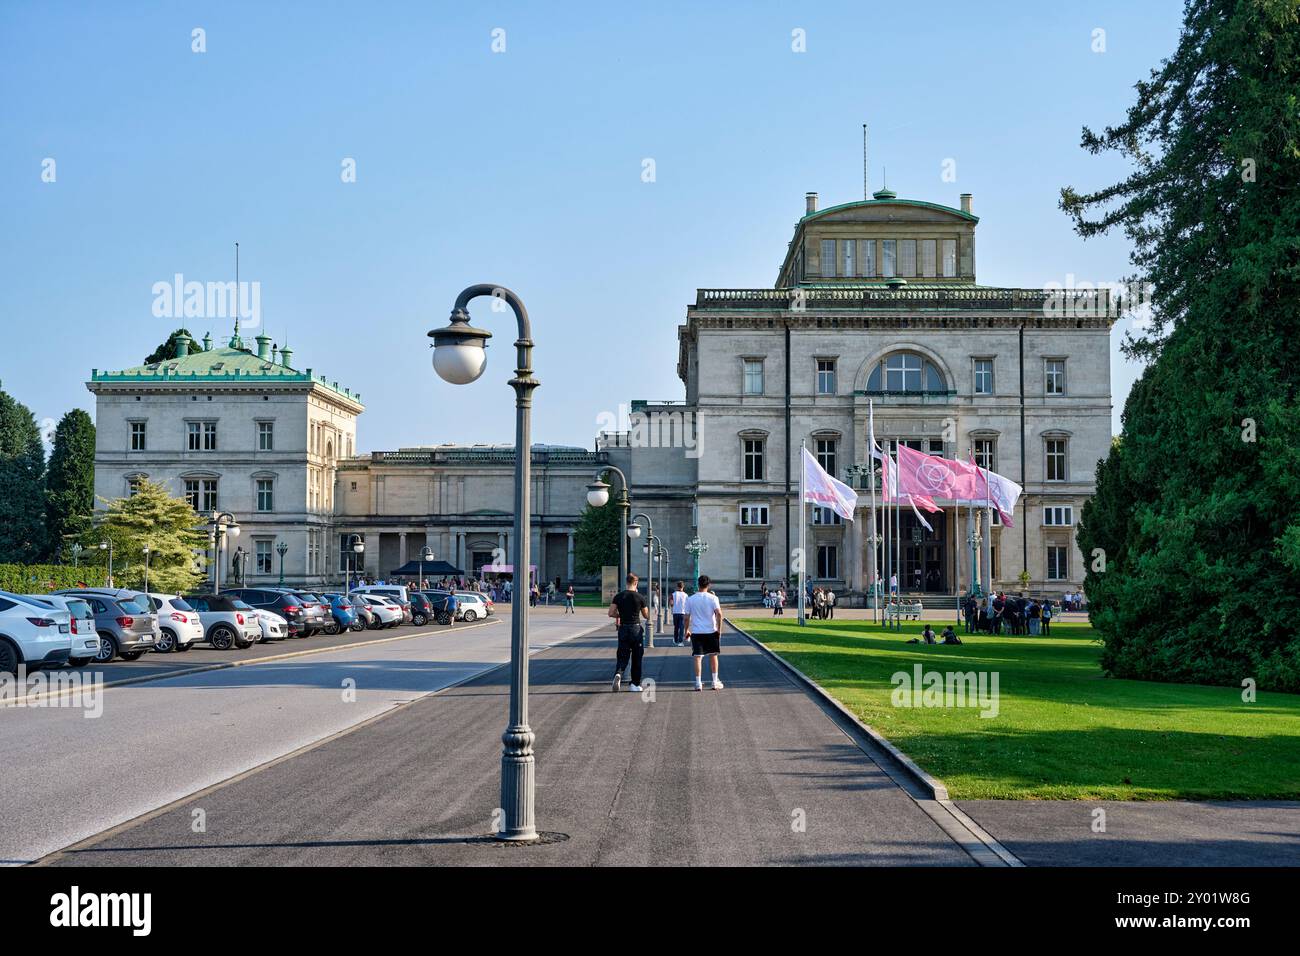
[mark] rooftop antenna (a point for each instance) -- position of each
(234, 339)
(865, 191)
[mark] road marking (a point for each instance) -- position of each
(148, 815)
(28, 701)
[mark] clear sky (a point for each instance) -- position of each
(522, 167)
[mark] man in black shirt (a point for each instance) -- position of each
(629, 608)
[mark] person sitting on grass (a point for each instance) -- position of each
(927, 635)
(950, 636)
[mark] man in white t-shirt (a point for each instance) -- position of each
(679, 614)
(704, 628)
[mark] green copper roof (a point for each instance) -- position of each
(219, 365)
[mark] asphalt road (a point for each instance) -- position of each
(756, 773)
(68, 777)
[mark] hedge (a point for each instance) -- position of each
(44, 578)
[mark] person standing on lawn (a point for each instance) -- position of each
(629, 608)
(679, 614)
(704, 628)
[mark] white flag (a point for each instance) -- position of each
(871, 433)
(821, 489)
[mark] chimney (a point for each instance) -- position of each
(965, 203)
(207, 341)
(286, 353)
(264, 347)
(182, 345)
(810, 199)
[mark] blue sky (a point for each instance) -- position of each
(522, 167)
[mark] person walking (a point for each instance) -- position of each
(629, 609)
(568, 601)
(679, 614)
(830, 604)
(704, 628)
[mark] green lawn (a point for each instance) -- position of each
(1063, 731)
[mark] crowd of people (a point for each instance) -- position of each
(819, 602)
(1000, 613)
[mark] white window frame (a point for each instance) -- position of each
(1049, 454)
(907, 258)
(977, 361)
(832, 372)
(1062, 561)
(1058, 516)
(745, 369)
(1054, 376)
(266, 435)
(754, 516)
(750, 570)
(888, 258)
(758, 454)
(929, 258)
(828, 261)
(257, 494)
(142, 434)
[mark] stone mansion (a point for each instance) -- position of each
(875, 301)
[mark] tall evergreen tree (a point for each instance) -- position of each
(167, 525)
(595, 539)
(168, 348)
(1193, 537)
(22, 477)
(70, 481)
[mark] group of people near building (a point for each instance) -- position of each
(819, 601)
(697, 619)
(1000, 613)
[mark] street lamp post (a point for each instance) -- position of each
(282, 549)
(107, 545)
(145, 552)
(663, 587)
(358, 546)
(223, 523)
(598, 496)
(697, 547)
(634, 531)
(459, 357)
(425, 555)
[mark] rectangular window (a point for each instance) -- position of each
(985, 455)
(928, 256)
(138, 436)
(192, 493)
(867, 256)
(753, 459)
(1056, 459)
(849, 268)
(1058, 516)
(263, 557)
(265, 494)
(828, 561)
(208, 491)
(1058, 567)
(755, 561)
(194, 433)
(907, 257)
(949, 258)
(1055, 381)
(265, 436)
(133, 487)
(209, 436)
(825, 450)
(983, 376)
(828, 258)
(753, 384)
(753, 514)
(826, 376)
(826, 516)
(888, 254)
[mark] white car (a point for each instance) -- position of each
(274, 627)
(32, 633)
(85, 639)
(179, 627)
(470, 606)
(387, 613)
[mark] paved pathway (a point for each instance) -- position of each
(756, 773)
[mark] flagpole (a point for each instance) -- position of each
(885, 555)
(871, 463)
(803, 528)
(898, 533)
(988, 520)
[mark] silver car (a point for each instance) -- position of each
(85, 640)
(124, 621)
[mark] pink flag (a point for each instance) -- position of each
(821, 489)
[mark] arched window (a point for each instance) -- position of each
(906, 372)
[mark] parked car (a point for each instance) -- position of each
(442, 606)
(280, 601)
(32, 634)
(274, 627)
(124, 621)
(342, 612)
(387, 613)
(227, 621)
(85, 642)
(473, 605)
(399, 591)
(366, 617)
(422, 611)
(178, 624)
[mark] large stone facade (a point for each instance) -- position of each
(876, 304)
